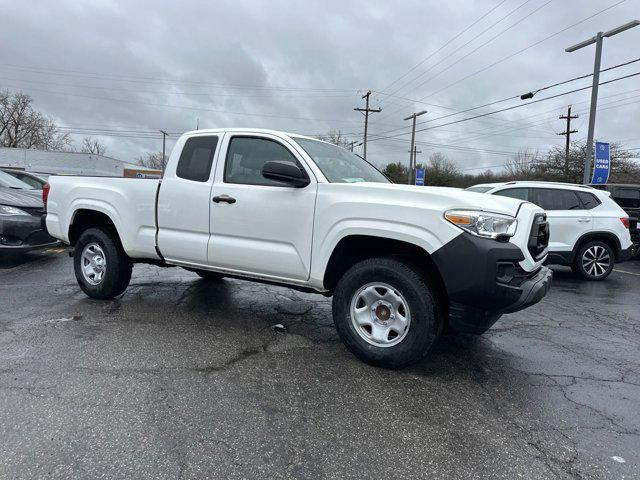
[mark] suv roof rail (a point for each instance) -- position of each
(547, 182)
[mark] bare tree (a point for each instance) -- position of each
(23, 127)
(525, 165)
(90, 145)
(153, 160)
(336, 137)
(440, 171)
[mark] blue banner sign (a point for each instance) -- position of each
(419, 176)
(602, 165)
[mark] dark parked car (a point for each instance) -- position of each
(35, 180)
(21, 217)
(628, 197)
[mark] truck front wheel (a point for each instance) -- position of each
(386, 312)
(102, 268)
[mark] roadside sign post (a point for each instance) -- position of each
(602, 164)
(420, 176)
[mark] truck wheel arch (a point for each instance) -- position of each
(352, 249)
(84, 218)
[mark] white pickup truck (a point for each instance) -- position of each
(403, 263)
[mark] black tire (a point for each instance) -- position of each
(586, 269)
(208, 275)
(118, 265)
(425, 324)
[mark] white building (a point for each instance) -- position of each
(69, 163)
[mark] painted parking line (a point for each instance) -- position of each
(628, 273)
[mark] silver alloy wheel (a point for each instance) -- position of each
(93, 263)
(596, 260)
(380, 314)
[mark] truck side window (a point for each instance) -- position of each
(556, 199)
(519, 193)
(247, 155)
(196, 158)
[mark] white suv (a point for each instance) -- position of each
(588, 230)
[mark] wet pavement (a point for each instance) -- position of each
(180, 378)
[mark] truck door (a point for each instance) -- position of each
(260, 226)
(184, 201)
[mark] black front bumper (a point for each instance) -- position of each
(483, 280)
(20, 233)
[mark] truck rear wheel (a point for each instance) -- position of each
(102, 268)
(386, 312)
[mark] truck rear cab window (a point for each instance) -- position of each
(555, 199)
(196, 158)
(247, 155)
(519, 193)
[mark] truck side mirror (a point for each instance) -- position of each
(286, 172)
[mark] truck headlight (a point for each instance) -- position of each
(483, 224)
(6, 210)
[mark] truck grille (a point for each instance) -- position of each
(539, 237)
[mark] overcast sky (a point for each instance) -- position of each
(127, 69)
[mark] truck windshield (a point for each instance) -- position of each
(340, 165)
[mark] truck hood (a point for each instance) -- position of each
(447, 197)
(20, 198)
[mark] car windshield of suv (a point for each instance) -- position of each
(340, 165)
(10, 181)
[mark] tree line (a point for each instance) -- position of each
(552, 165)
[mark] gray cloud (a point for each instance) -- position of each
(140, 66)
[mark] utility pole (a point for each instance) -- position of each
(413, 144)
(568, 117)
(352, 144)
(366, 111)
(164, 137)
(597, 39)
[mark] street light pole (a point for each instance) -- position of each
(597, 39)
(592, 110)
(412, 158)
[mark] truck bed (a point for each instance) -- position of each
(129, 202)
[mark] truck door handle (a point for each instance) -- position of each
(584, 220)
(224, 198)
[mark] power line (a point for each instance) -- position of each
(444, 45)
(514, 54)
(525, 104)
(512, 97)
(159, 80)
(524, 49)
(185, 107)
(482, 45)
(462, 46)
(165, 92)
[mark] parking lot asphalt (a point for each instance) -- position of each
(180, 378)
